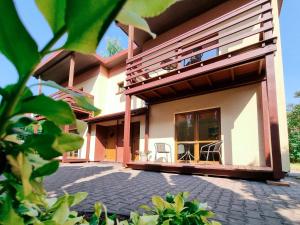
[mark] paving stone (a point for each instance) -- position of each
(124, 190)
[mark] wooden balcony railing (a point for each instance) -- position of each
(244, 29)
(59, 95)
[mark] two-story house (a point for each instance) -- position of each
(206, 96)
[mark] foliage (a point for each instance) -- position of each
(26, 156)
(293, 118)
(113, 46)
(174, 210)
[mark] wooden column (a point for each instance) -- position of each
(273, 117)
(40, 86)
(265, 123)
(146, 137)
(71, 70)
(88, 143)
(127, 119)
(65, 155)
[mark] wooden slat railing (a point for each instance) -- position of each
(242, 28)
(59, 95)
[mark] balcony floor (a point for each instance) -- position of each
(245, 172)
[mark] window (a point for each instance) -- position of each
(195, 129)
(121, 87)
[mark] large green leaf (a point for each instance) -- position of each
(62, 212)
(129, 17)
(81, 100)
(46, 169)
(57, 111)
(146, 8)
(15, 42)
(7, 214)
(54, 12)
(87, 21)
(67, 142)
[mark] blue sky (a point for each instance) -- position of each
(290, 35)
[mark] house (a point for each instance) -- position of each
(212, 76)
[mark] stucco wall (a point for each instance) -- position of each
(240, 123)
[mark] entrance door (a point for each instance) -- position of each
(135, 141)
(110, 147)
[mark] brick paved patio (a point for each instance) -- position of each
(234, 201)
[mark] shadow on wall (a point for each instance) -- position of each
(233, 201)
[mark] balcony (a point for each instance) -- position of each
(79, 112)
(226, 52)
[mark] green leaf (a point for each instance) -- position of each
(42, 143)
(128, 17)
(54, 12)
(148, 220)
(21, 167)
(158, 202)
(77, 198)
(146, 8)
(87, 21)
(62, 212)
(45, 170)
(179, 203)
(15, 42)
(7, 214)
(57, 111)
(49, 127)
(81, 100)
(67, 142)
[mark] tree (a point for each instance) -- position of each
(293, 118)
(113, 46)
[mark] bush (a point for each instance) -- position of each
(293, 117)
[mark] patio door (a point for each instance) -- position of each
(194, 130)
(111, 142)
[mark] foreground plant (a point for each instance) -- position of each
(175, 210)
(29, 149)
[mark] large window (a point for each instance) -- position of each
(194, 130)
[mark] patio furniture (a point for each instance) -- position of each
(182, 149)
(212, 148)
(145, 155)
(161, 148)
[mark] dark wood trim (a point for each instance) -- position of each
(273, 113)
(71, 70)
(127, 121)
(254, 173)
(202, 71)
(88, 142)
(147, 122)
(265, 123)
(130, 41)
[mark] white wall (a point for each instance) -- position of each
(240, 123)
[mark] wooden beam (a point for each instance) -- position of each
(273, 114)
(88, 143)
(232, 74)
(265, 123)
(172, 90)
(146, 138)
(190, 86)
(209, 80)
(127, 121)
(71, 70)
(260, 66)
(202, 71)
(130, 41)
(155, 93)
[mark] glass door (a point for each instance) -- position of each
(193, 131)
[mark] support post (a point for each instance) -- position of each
(273, 115)
(265, 123)
(71, 70)
(88, 143)
(127, 121)
(65, 155)
(146, 137)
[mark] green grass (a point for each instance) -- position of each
(295, 166)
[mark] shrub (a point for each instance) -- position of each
(293, 118)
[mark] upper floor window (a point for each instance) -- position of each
(121, 87)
